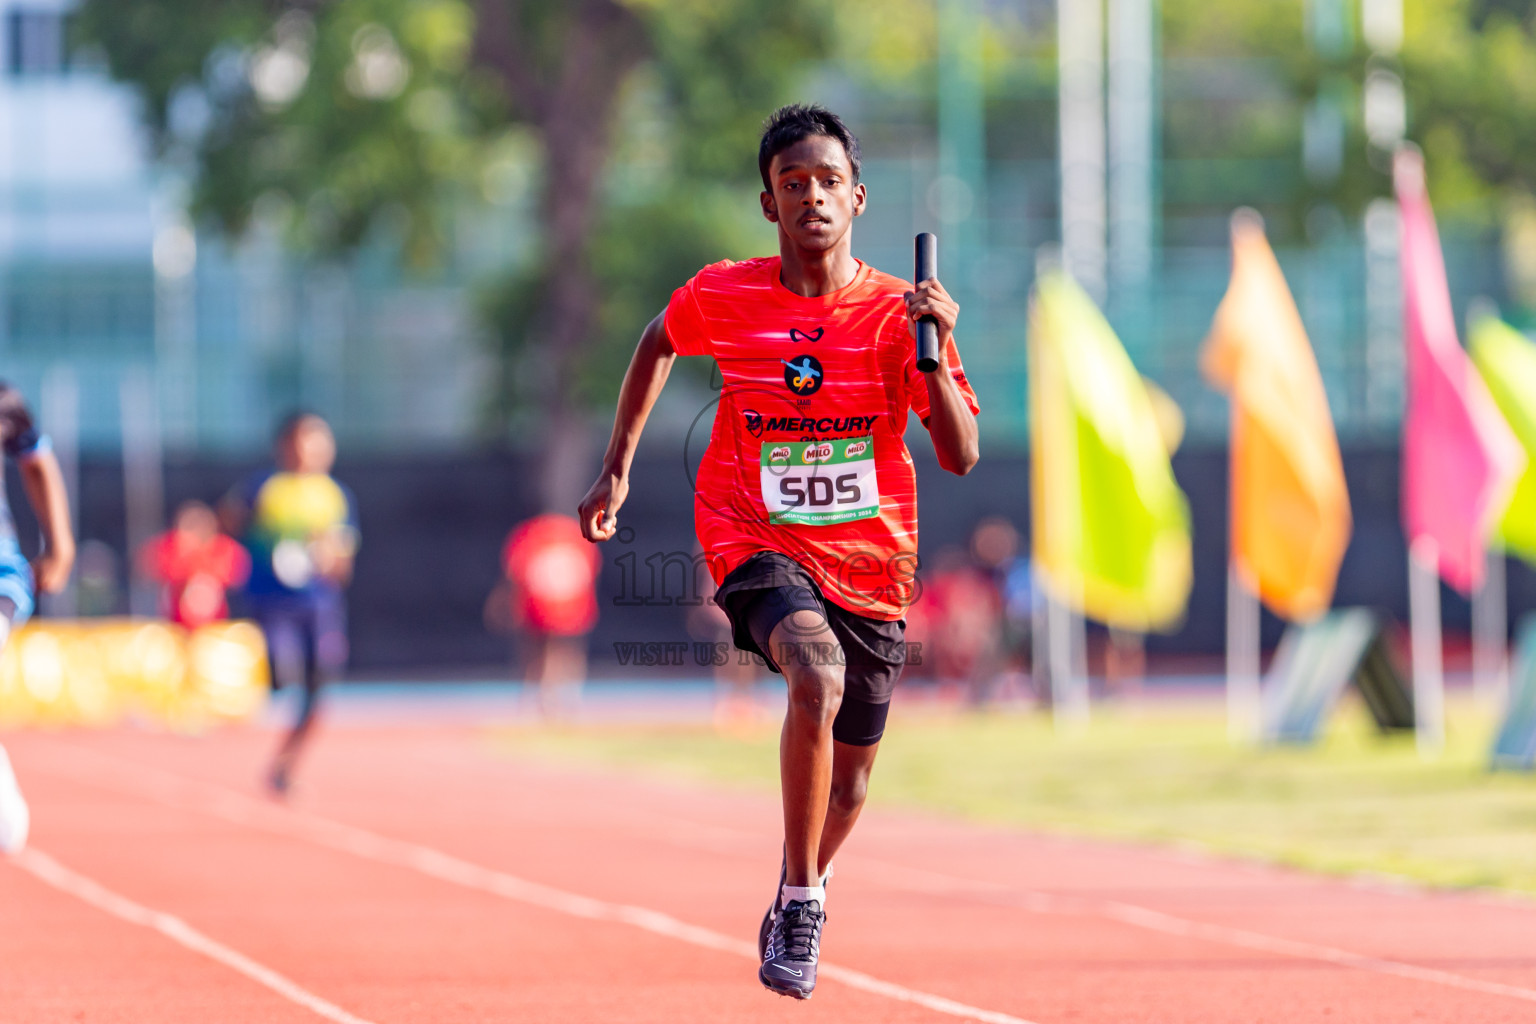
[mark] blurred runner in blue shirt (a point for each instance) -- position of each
(300, 527)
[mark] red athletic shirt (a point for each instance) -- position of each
(196, 574)
(553, 571)
(807, 457)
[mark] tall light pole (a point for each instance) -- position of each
(1084, 254)
(1084, 227)
(1132, 151)
(961, 197)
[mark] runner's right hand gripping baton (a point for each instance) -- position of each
(927, 328)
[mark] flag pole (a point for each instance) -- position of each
(1069, 691)
(1490, 601)
(1085, 253)
(1424, 632)
(1490, 632)
(1039, 634)
(1244, 695)
(1081, 684)
(1244, 711)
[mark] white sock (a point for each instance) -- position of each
(803, 893)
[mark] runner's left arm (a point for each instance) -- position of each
(44, 483)
(950, 421)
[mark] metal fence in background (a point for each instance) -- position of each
(241, 339)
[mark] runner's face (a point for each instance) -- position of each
(315, 447)
(308, 448)
(814, 197)
(197, 519)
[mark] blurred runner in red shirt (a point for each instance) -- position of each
(551, 573)
(196, 564)
(966, 611)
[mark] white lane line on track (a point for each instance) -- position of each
(725, 840)
(1153, 920)
(736, 841)
(185, 794)
(933, 883)
(48, 870)
(175, 790)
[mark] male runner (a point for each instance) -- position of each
(805, 505)
(44, 484)
(301, 529)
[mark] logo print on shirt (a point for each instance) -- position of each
(754, 421)
(815, 335)
(803, 376)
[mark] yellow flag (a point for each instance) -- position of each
(1290, 509)
(1110, 525)
(1507, 361)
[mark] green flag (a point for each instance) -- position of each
(1506, 359)
(1111, 527)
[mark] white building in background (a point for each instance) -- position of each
(103, 282)
(75, 183)
(77, 229)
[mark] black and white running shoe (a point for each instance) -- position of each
(794, 943)
(773, 908)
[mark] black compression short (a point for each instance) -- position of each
(768, 587)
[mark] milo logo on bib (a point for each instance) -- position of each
(818, 483)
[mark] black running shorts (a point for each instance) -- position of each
(768, 587)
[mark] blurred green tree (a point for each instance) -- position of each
(1465, 68)
(343, 117)
(1468, 71)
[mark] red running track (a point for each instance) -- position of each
(425, 874)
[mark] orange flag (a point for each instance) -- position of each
(1290, 509)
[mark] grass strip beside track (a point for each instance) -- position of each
(1357, 803)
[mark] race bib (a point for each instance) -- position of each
(817, 483)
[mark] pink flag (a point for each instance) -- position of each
(1460, 459)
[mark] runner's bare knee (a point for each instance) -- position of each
(815, 693)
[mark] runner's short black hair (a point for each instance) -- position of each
(291, 422)
(17, 431)
(788, 125)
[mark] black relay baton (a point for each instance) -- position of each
(927, 327)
